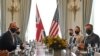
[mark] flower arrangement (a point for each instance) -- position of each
(55, 43)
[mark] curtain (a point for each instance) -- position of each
(62, 7)
(24, 15)
(87, 7)
(3, 16)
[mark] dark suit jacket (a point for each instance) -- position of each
(92, 39)
(72, 40)
(6, 42)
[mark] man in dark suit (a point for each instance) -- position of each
(8, 40)
(92, 38)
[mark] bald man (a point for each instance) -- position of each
(8, 40)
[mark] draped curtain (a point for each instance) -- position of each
(0, 17)
(62, 6)
(3, 16)
(24, 15)
(87, 7)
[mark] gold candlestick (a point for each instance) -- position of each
(74, 7)
(13, 9)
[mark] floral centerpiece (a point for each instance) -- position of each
(55, 43)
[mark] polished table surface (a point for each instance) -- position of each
(42, 50)
(39, 50)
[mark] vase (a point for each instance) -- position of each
(57, 52)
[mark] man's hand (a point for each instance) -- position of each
(81, 46)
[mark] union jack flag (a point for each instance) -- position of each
(39, 26)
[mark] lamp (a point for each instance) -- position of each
(73, 6)
(13, 8)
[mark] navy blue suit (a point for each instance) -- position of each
(6, 42)
(92, 39)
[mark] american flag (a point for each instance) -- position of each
(55, 24)
(39, 26)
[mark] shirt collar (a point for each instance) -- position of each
(11, 32)
(90, 34)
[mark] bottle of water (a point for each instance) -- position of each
(29, 43)
(90, 50)
(99, 49)
(96, 47)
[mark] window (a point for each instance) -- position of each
(46, 10)
(95, 16)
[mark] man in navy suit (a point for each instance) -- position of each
(8, 40)
(91, 38)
